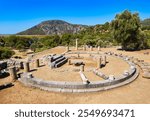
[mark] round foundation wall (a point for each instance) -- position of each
(64, 86)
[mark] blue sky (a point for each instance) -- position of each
(18, 15)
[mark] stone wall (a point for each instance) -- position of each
(59, 86)
(77, 86)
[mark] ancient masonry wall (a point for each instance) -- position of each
(59, 86)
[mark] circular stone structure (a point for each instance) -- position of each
(86, 85)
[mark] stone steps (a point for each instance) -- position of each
(57, 61)
(61, 62)
(56, 57)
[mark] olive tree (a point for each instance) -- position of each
(126, 30)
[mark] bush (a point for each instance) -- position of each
(6, 53)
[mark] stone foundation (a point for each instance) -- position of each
(109, 82)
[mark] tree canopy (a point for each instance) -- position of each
(126, 30)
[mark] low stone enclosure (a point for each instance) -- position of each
(109, 82)
(55, 61)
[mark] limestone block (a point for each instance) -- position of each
(111, 77)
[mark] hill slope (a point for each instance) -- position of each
(146, 22)
(53, 27)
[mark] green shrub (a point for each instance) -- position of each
(6, 53)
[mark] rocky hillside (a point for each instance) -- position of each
(53, 27)
(146, 22)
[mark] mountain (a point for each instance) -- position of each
(53, 27)
(146, 22)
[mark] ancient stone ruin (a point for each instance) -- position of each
(109, 82)
(22, 71)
